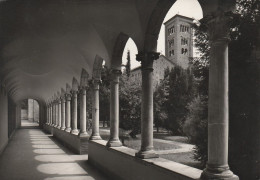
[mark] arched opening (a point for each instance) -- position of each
(130, 52)
(173, 82)
(30, 113)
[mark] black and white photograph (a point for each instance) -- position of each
(129, 90)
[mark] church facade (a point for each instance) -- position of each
(178, 49)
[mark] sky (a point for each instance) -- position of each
(189, 8)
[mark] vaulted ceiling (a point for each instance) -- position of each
(44, 44)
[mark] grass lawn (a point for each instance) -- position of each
(136, 144)
(183, 158)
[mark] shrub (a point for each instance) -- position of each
(195, 126)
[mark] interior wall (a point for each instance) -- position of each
(11, 117)
(18, 116)
(3, 119)
(42, 114)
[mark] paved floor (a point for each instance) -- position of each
(34, 155)
(25, 123)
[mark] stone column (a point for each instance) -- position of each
(51, 117)
(63, 111)
(83, 113)
(56, 114)
(147, 59)
(68, 115)
(114, 109)
(95, 110)
(74, 113)
(217, 165)
(48, 115)
(59, 113)
(53, 114)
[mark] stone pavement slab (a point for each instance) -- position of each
(34, 155)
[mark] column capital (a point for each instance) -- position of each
(83, 90)
(116, 72)
(146, 59)
(58, 101)
(95, 83)
(73, 92)
(68, 97)
(219, 26)
(63, 99)
(114, 75)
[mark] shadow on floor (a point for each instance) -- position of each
(32, 154)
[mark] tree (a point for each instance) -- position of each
(104, 91)
(243, 80)
(161, 95)
(195, 126)
(181, 91)
(130, 105)
(128, 64)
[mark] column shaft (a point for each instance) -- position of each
(74, 113)
(95, 111)
(218, 108)
(147, 105)
(59, 114)
(51, 117)
(56, 114)
(63, 115)
(83, 114)
(47, 115)
(114, 109)
(68, 114)
(53, 114)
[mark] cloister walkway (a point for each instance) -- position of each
(32, 154)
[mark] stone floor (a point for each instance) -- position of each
(26, 123)
(34, 155)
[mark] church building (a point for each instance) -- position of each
(178, 49)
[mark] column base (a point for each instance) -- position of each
(218, 173)
(68, 129)
(83, 135)
(74, 131)
(114, 143)
(58, 127)
(62, 128)
(95, 137)
(146, 154)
